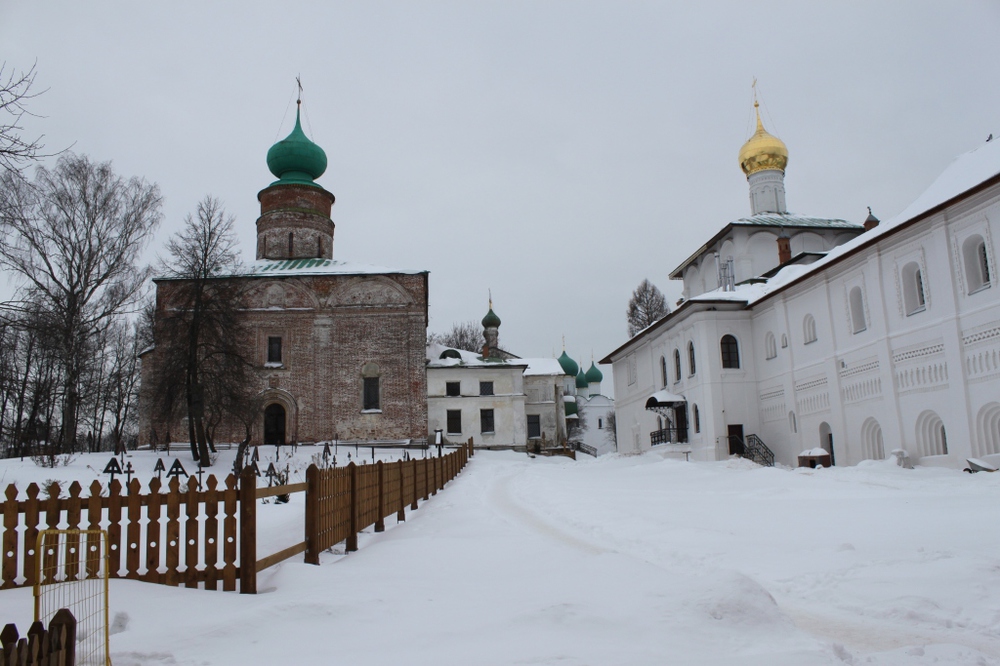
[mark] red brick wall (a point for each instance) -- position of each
(331, 326)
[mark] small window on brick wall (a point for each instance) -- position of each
(274, 349)
(454, 421)
(371, 399)
(453, 389)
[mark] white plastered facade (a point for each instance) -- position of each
(890, 341)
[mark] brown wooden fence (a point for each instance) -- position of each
(342, 501)
(54, 646)
(208, 537)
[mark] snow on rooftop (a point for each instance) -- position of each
(286, 267)
(533, 367)
(543, 366)
(466, 359)
(300, 267)
(964, 173)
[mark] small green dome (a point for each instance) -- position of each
(296, 159)
(594, 376)
(581, 379)
(491, 320)
(569, 366)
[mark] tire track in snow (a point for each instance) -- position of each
(862, 635)
(501, 498)
(871, 635)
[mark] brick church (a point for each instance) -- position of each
(339, 347)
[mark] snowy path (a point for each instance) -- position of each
(618, 561)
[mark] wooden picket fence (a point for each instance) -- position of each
(55, 646)
(208, 537)
(342, 501)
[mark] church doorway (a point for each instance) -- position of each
(736, 440)
(826, 439)
(274, 425)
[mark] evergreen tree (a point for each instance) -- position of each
(646, 306)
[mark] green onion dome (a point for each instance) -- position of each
(491, 320)
(581, 379)
(295, 159)
(569, 366)
(594, 376)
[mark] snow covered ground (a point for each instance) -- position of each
(619, 560)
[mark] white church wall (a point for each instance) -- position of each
(762, 251)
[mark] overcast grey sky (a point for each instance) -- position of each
(554, 152)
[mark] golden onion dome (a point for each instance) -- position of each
(763, 151)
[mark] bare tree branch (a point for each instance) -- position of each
(74, 236)
(15, 91)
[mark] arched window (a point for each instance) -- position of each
(663, 372)
(291, 244)
(792, 425)
(677, 366)
(873, 446)
(319, 247)
(784, 340)
(371, 394)
(730, 352)
(691, 365)
(857, 302)
(977, 263)
(987, 430)
(912, 279)
(932, 440)
(697, 418)
(808, 329)
(770, 346)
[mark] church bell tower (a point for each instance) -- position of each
(294, 220)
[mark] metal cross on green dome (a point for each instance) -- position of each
(295, 159)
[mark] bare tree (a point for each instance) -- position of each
(646, 306)
(74, 236)
(576, 427)
(15, 91)
(467, 335)
(122, 393)
(611, 423)
(200, 337)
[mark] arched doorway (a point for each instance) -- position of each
(274, 425)
(826, 440)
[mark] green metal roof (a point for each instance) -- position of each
(569, 366)
(594, 376)
(491, 320)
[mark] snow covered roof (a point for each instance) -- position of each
(977, 168)
(664, 399)
(784, 220)
(289, 267)
(967, 172)
(543, 366)
(304, 267)
(460, 358)
(532, 367)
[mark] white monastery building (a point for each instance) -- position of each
(582, 393)
(796, 333)
(494, 397)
